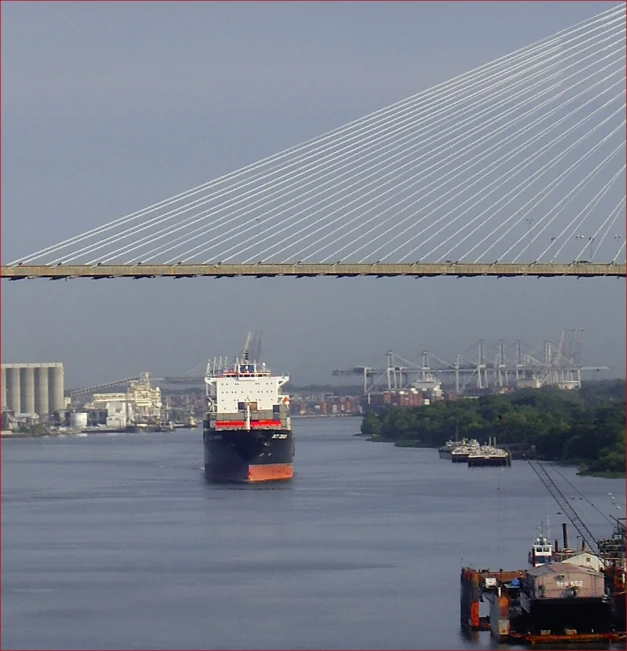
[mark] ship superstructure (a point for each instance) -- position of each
(247, 431)
(541, 551)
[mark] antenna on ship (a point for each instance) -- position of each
(245, 349)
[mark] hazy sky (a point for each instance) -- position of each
(110, 107)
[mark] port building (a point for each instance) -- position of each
(141, 403)
(33, 388)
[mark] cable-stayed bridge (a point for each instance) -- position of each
(514, 168)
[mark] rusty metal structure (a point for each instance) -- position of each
(560, 602)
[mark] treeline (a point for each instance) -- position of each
(586, 426)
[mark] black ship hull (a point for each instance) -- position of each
(248, 456)
(584, 615)
(476, 462)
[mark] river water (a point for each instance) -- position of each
(117, 542)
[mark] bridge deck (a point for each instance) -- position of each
(58, 272)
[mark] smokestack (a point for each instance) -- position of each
(565, 534)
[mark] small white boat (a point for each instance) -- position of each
(541, 551)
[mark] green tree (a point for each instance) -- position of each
(585, 426)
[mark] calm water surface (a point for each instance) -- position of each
(117, 542)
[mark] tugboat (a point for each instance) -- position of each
(541, 551)
(247, 434)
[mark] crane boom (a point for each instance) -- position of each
(99, 387)
(561, 499)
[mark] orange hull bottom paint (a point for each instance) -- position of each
(270, 472)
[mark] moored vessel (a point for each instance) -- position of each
(487, 455)
(541, 551)
(247, 434)
(463, 450)
(446, 450)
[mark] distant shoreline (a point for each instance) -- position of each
(327, 416)
(8, 434)
(568, 463)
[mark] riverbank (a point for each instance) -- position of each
(39, 432)
(40, 435)
(582, 468)
(7, 434)
(584, 427)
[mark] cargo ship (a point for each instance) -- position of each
(247, 434)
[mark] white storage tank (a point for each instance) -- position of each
(78, 420)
